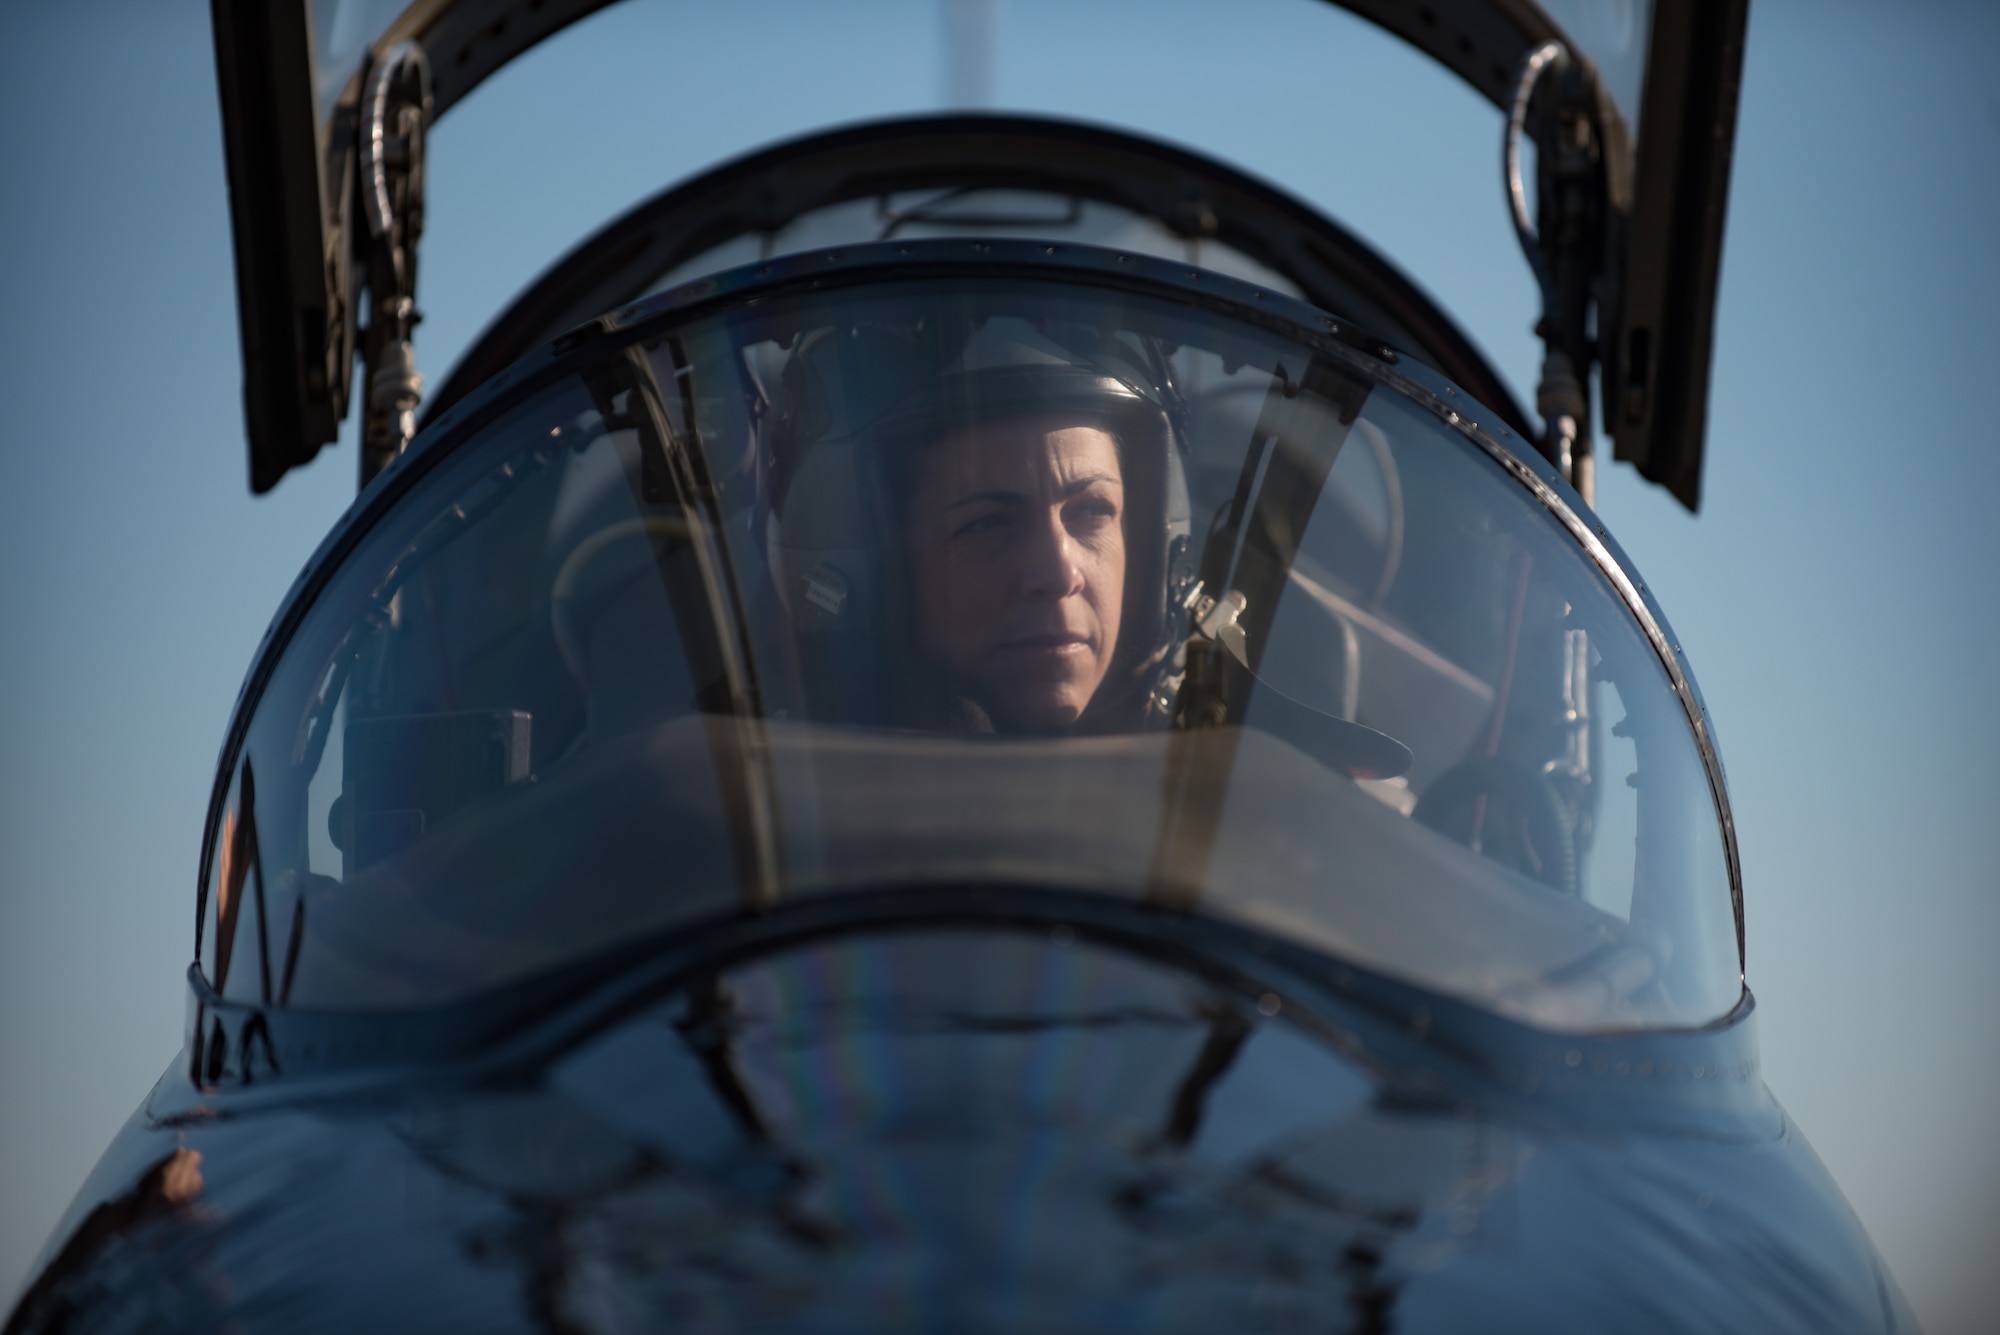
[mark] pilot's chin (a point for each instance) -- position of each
(1043, 713)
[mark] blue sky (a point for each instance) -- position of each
(1835, 594)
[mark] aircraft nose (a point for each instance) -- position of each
(990, 1125)
(1018, 1121)
(985, 1030)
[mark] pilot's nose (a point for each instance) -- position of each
(1049, 566)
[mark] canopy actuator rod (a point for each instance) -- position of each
(395, 115)
(1565, 253)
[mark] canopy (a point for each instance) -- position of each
(1033, 578)
(292, 79)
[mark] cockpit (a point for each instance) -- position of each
(948, 567)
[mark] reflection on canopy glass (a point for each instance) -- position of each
(923, 583)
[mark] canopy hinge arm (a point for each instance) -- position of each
(396, 113)
(1559, 103)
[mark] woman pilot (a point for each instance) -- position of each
(990, 553)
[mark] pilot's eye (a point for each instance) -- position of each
(991, 521)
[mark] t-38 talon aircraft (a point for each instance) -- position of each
(970, 723)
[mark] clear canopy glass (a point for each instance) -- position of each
(924, 579)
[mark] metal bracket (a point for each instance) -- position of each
(395, 116)
(1219, 620)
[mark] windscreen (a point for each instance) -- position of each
(927, 582)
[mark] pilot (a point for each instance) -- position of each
(1029, 514)
(1015, 532)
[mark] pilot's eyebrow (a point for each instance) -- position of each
(1075, 488)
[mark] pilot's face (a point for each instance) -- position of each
(1018, 558)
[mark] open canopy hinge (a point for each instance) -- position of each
(1581, 195)
(395, 116)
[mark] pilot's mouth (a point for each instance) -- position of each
(1054, 644)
